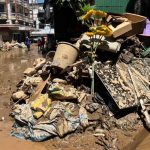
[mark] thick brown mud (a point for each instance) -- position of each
(12, 65)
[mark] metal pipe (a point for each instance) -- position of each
(6, 1)
(28, 11)
(23, 11)
(16, 11)
(8, 10)
(32, 14)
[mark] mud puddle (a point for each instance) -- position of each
(12, 65)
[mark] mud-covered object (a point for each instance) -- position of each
(39, 132)
(58, 80)
(72, 116)
(26, 127)
(19, 95)
(126, 83)
(63, 118)
(29, 71)
(63, 92)
(67, 115)
(83, 117)
(39, 63)
(126, 57)
(23, 114)
(32, 81)
(41, 105)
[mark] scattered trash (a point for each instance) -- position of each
(55, 96)
(19, 95)
(6, 46)
(30, 71)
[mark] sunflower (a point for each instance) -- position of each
(88, 15)
(104, 30)
(99, 13)
(90, 34)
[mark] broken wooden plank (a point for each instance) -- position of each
(39, 89)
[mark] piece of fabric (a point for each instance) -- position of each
(27, 42)
(62, 118)
(39, 132)
(23, 114)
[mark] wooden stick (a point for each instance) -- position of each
(122, 74)
(71, 66)
(138, 73)
(39, 89)
(134, 85)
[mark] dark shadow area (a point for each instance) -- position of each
(142, 118)
(66, 24)
(125, 111)
(131, 6)
(141, 7)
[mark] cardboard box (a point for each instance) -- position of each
(121, 29)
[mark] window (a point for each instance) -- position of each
(13, 9)
(1, 8)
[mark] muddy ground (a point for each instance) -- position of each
(12, 65)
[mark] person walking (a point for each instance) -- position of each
(43, 44)
(39, 42)
(28, 43)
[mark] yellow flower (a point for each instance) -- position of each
(88, 15)
(84, 17)
(99, 32)
(93, 29)
(109, 32)
(99, 13)
(90, 34)
(104, 30)
(102, 27)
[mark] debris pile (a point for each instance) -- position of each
(7, 46)
(58, 105)
(55, 96)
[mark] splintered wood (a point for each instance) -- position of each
(127, 83)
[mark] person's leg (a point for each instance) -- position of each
(28, 47)
(42, 47)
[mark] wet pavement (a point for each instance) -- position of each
(12, 65)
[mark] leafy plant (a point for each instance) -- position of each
(77, 5)
(95, 20)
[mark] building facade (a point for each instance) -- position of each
(16, 19)
(42, 28)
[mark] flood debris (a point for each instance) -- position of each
(55, 96)
(7, 46)
(30, 71)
